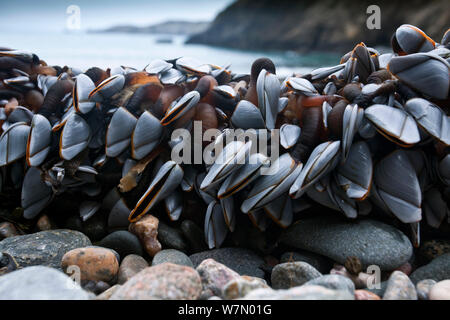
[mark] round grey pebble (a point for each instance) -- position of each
(372, 242)
(292, 274)
(242, 261)
(171, 238)
(333, 281)
(173, 256)
(43, 248)
(123, 242)
(321, 263)
(438, 269)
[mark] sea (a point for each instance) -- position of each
(82, 50)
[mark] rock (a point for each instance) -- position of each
(147, 231)
(242, 261)
(7, 229)
(43, 248)
(400, 287)
(194, 236)
(44, 223)
(214, 276)
(241, 286)
(166, 281)
(95, 228)
(108, 293)
(292, 274)
(423, 288)
(372, 242)
(365, 295)
(406, 268)
(360, 280)
(96, 264)
(333, 281)
(40, 283)
(172, 256)
(432, 249)
(171, 238)
(299, 293)
(440, 291)
(321, 263)
(130, 266)
(123, 242)
(96, 287)
(437, 270)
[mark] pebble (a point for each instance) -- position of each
(299, 293)
(333, 281)
(43, 248)
(44, 224)
(194, 236)
(96, 287)
(372, 242)
(423, 288)
(241, 286)
(242, 261)
(166, 281)
(292, 274)
(124, 242)
(171, 238)
(146, 229)
(400, 287)
(437, 270)
(40, 283)
(105, 295)
(95, 263)
(172, 256)
(7, 229)
(365, 295)
(406, 268)
(360, 280)
(321, 263)
(131, 265)
(214, 276)
(440, 291)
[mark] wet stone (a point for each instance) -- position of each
(423, 288)
(40, 283)
(372, 242)
(440, 291)
(165, 281)
(95, 264)
(172, 256)
(242, 261)
(437, 270)
(105, 295)
(214, 276)
(400, 287)
(321, 263)
(365, 295)
(7, 229)
(292, 274)
(147, 231)
(43, 248)
(432, 249)
(241, 286)
(333, 281)
(171, 238)
(130, 266)
(123, 242)
(299, 293)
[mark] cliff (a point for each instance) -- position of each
(321, 25)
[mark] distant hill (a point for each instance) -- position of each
(168, 27)
(319, 25)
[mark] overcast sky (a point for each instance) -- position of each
(45, 15)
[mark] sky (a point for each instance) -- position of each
(50, 15)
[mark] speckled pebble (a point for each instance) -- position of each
(400, 287)
(423, 288)
(292, 274)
